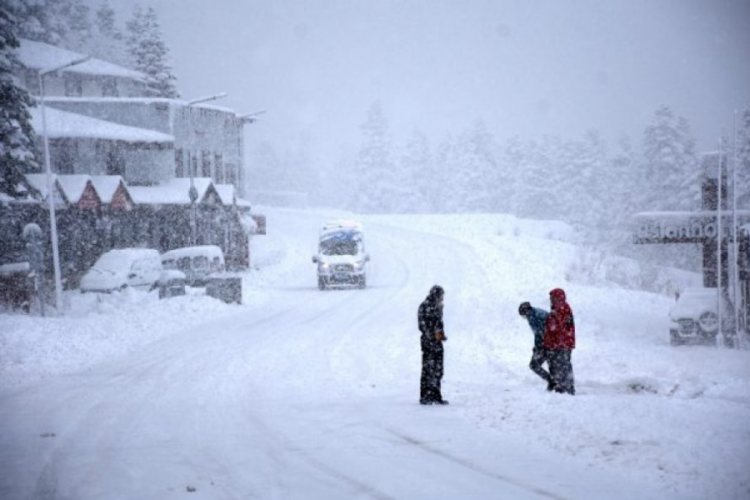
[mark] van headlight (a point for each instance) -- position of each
(359, 265)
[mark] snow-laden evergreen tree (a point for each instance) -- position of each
(41, 20)
(476, 170)
(107, 41)
(512, 160)
(743, 160)
(590, 194)
(671, 163)
(418, 171)
(17, 150)
(377, 180)
(446, 198)
(149, 53)
(541, 193)
(79, 27)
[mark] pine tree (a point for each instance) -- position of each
(590, 193)
(107, 42)
(743, 160)
(149, 53)
(477, 168)
(376, 177)
(42, 20)
(79, 28)
(449, 200)
(16, 133)
(670, 162)
(104, 20)
(418, 170)
(513, 174)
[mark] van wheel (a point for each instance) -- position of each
(674, 340)
(321, 284)
(362, 282)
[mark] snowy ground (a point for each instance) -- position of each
(299, 393)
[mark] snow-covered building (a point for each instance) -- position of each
(100, 122)
(206, 138)
(124, 165)
(93, 78)
(81, 144)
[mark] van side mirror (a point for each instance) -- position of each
(367, 257)
(315, 259)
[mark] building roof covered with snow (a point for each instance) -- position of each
(66, 125)
(173, 192)
(41, 56)
(106, 186)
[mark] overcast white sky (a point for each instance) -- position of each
(525, 67)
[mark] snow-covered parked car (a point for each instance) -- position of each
(197, 262)
(341, 257)
(694, 317)
(121, 268)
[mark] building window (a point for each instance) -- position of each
(109, 87)
(115, 161)
(219, 167)
(32, 81)
(206, 164)
(230, 175)
(67, 155)
(179, 167)
(73, 86)
(193, 165)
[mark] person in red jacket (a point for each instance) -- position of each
(560, 340)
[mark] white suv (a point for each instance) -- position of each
(694, 317)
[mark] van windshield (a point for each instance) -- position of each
(341, 244)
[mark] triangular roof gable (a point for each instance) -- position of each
(74, 186)
(122, 200)
(226, 193)
(107, 186)
(211, 196)
(39, 182)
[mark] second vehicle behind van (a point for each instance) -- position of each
(197, 262)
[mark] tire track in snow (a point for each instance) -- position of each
(471, 465)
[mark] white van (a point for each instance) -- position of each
(341, 258)
(196, 262)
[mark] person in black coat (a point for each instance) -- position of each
(430, 319)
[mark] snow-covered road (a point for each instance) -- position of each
(301, 394)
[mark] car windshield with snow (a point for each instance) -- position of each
(341, 258)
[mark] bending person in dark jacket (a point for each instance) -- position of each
(560, 340)
(430, 320)
(537, 319)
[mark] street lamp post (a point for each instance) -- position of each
(48, 168)
(193, 192)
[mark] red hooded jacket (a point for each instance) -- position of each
(560, 330)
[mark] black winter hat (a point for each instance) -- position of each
(524, 308)
(437, 291)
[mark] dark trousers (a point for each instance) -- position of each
(539, 356)
(561, 370)
(432, 374)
